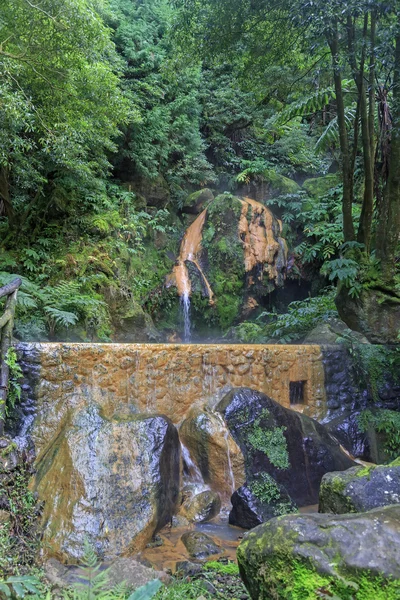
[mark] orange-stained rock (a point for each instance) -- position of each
(163, 378)
(114, 482)
(214, 451)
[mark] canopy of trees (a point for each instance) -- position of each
(112, 113)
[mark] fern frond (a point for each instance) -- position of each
(61, 317)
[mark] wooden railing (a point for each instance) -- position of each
(6, 328)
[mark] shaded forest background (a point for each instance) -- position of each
(112, 114)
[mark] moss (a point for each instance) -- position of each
(271, 441)
(267, 491)
(229, 568)
(395, 463)
(200, 197)
(319, 186)
(281, 577)
(279, 184)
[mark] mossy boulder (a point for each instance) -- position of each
(264, 499)
(320, 186)
(197, 201)
(360, 489)
(133, 324)
(313, 555)
(278, 184)
(374, 313)
(291, 447)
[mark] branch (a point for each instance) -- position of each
(8, 289)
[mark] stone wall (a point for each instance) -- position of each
(170, 379)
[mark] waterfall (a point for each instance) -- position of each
(185, 303)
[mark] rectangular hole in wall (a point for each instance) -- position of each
(296, 392)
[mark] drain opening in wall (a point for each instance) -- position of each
(297, 392)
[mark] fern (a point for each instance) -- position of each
(19, 586)
(94, 583)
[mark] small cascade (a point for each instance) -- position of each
(185, 303)
(228, 452)
(192, 471)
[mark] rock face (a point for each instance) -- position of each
(294, 449)
(348, 546)
(113, 481)
(360, 489)
(214, 451)
(200, 545)
(235, 239)
(374, 314)
(250, 509)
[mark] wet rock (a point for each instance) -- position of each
(349, 546)
(113, 482)
(187, 568)
(346, 429)
(200, 545)
(248, 510)
(127, 570)
(10, 457)
(202, 507)
(360, 489)
(214, 451)
(294, 449)
(179, 521)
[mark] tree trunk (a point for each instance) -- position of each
(6, 207)
(5, 344)
(348, 182)
(389, 218)
(367, 136)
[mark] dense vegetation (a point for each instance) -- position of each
(112, 113)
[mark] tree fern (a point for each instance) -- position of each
(330, 135)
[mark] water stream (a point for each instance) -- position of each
(185, 304)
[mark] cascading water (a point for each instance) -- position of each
(189, 251)
(228, 452)
(192, 471)
(185, 303)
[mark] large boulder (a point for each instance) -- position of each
(323, 556)
(374, 313)
(197, 201)
(360, 489)
(214, 451)
(259, 502)
(294, 449)
(112, 481)
(346, 429)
